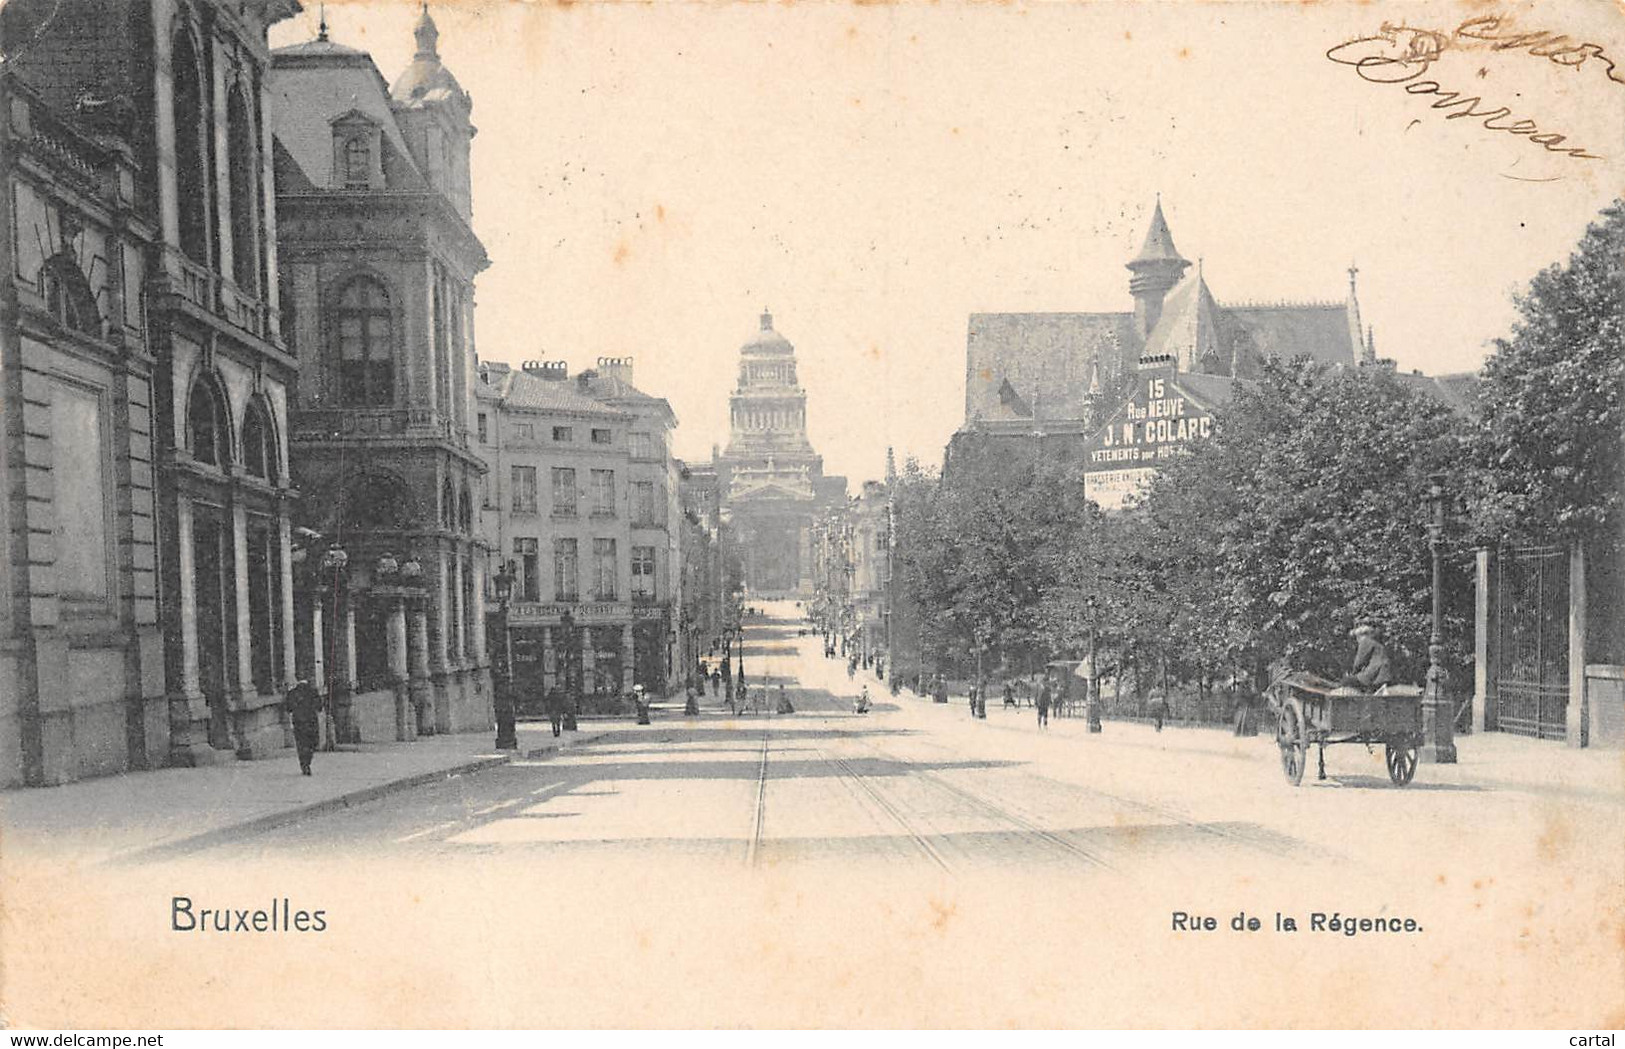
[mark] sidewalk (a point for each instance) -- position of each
(1497, 760)
(176, 810)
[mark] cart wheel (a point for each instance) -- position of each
(1289, 736)
(1401, 760)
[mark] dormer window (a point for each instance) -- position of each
(357, 152)
(357, 163)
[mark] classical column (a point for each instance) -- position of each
(460, 649)
(318, 658)
(188, 709)
(244, 683)
(1481, 639)
(442, 610)
(290, 669)
(481, 656)
(628, 657)
(422, 694)
(188, 571)
(347, 645)
(441, 669)
(398, 673)
(1577, 715)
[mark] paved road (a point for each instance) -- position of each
(908, 783)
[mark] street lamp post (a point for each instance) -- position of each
(1438, 728)
(572, 694)
(507, 736)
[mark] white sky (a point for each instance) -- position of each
(648, 176)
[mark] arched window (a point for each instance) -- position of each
(259, 450)
(357, 163)
(191, 172)
(240, 138)
(207, 425)
(465, 510)
(448, 506)
(366, 354)
(68, 294)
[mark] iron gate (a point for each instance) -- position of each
(1529, 661)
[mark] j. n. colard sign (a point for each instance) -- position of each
(1150, 427)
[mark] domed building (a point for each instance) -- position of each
(772, 480)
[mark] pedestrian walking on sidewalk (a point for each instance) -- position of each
(305, 710)
(1043, 706)
(554, 701)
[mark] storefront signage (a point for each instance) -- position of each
(1151, 427)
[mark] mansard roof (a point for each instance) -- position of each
(315, 84)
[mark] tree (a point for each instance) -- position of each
(1302, 515)
(1549, 454)
(1551, 424)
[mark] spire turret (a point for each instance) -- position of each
(1155, 271)
(427, 36)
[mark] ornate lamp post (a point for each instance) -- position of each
(507, 738)
(1438, 721)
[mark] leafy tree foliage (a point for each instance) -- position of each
(1304, 514)
(1551, 440)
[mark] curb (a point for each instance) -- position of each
(272, 820)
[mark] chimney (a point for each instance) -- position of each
(552, 371)
(584, 381)
(616, 368)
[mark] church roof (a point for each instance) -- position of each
(1038, 365)
(1317, 330)
(1188, 330)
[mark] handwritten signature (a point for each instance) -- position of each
(1401, 54)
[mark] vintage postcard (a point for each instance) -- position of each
(812, 515)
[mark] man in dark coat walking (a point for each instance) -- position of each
(305, 711)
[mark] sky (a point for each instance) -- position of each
(648, 177)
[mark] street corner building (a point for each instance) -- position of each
(148, 606)
(377, 260)
(582, 505)
(771, 481)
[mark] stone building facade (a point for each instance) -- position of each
(655, 511)
(559, 508)
(772, 481)
(158, 219)
(377, 266)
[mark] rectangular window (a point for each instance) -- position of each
(78, 486)
(566, 579)
(643, 573)
(603, 569)
(528, 586)
(564, 491)
(640, 445)
(643, 503)
(602, 436)
(484, 434)
(603, 493)
(524, 489)
(524, 431)
(563, 434)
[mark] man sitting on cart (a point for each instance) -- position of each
(1372, 668)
